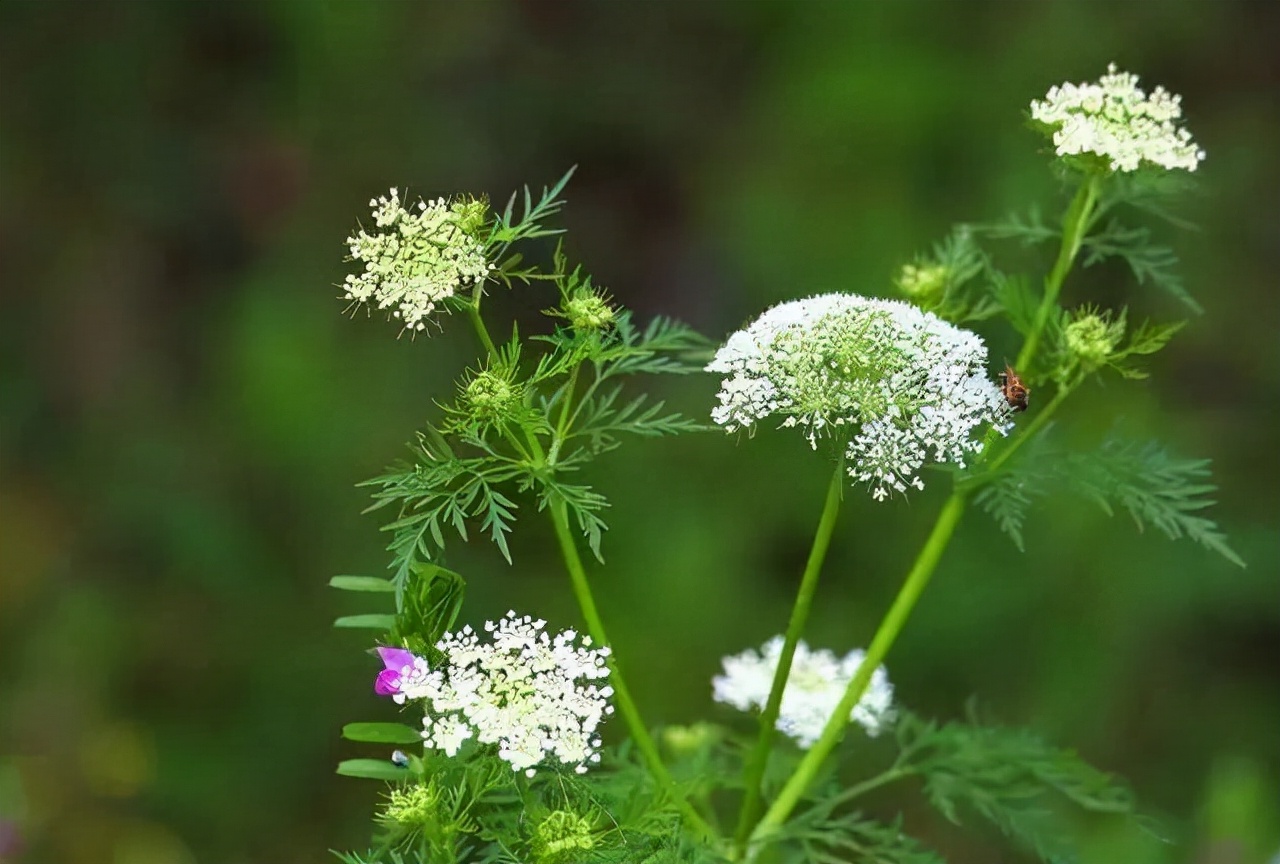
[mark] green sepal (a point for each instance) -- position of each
(382, 733)
(362, 583)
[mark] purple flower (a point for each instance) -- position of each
(398, 663)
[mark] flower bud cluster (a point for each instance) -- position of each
(416, 260)
(1116, 120)
(1091, 338)
(814, 689)
(589, 311)
(901, 385)
(922, 284)
(562, 836)
(523, 691)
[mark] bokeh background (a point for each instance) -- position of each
(185, 412)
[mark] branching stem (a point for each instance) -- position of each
(1075, 226)
(759, 757)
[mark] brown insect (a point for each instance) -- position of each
(1015, 392)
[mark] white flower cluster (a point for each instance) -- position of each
(1115, 119)
(523, 691)
(814, 688)
(413, 261)
(902, 384)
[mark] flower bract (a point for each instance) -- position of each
(814, 688)
(1119, 122)
(901, 386)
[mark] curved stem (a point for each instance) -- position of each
(799, 615)
(626, 705)
(473, 312)
(1075, 224)
(890, 627)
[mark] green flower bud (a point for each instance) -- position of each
(1091, 338)
(562, 836)
(923, 284)
(588, 311)
(491, 397)
(686, 741)
(470, 215)
(412, 807)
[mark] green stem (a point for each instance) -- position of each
(1075, 224)
(1032, 429)
(890, 627)
(884, 779)
(626, 705)
(759, 757)
(473, 312)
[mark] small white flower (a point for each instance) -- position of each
(416, 260)
(1118, 121)
(901, 386)
(814, 688)
(525, 691)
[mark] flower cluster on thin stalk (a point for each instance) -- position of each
(900, 385)
(815, 686)
(1114, 119)
(529, 693)
(416, 259)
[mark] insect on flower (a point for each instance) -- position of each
(1015, 392)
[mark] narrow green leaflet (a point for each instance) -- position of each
(366, 622)
(1008, 498)
(1156, 488)
(370, 584)
(819, 837)
(373, 769)
(382, 733)
(1029, 230)
(1148, 261)
(1010, 778)
(429, 606)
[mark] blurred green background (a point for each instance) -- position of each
(184, 411)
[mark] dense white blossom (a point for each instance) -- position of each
(1118, 121)
(901, 386)
(415, 259)
(815, 686)
(523, 690)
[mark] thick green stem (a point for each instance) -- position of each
(759, 757)
(1075, 224)
(890, 627)
(473, 312)
(626, 705)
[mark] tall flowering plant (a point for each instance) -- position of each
(501, 757)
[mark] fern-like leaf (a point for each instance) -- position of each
(1156, 488)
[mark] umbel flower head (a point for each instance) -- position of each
(1117, 121)
(416, 259)
(901, 385)
(525, 691)
(814, 688)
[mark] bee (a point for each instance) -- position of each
(1014, 391)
